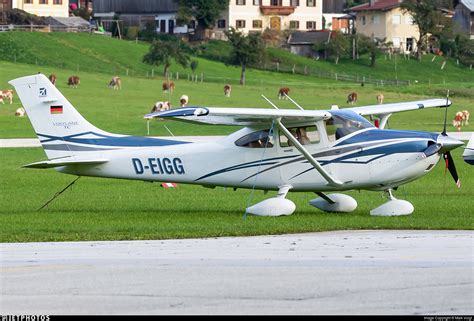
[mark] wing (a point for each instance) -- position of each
(240, 116)
(398, 107)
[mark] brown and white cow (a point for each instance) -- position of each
(380, 98)
(457, 121)
(168, 86)
(115, 83)
(283, 92)
(183, 100)
(6, 94)
(352, 98)
(20, 112)
(73, 81)
(227, 90)
(53, 79)
(465, 117)
(161, 106)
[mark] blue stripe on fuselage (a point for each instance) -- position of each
(385, 134)
(112, 141)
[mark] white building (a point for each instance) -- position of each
(258, 15)
(43, 8)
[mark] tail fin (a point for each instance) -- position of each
(54, 119)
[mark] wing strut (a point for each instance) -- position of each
(308, 156)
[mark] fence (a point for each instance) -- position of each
(44, 28)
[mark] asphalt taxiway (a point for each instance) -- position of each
(345, 272)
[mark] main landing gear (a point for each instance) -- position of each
(394, 207)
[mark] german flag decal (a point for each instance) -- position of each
(56, 109)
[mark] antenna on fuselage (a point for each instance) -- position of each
(294, 102)
(274, 106)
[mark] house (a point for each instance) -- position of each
(159, 13)
(302, 42)
(464, 16)
(334, 17)
(258, 15)
(42, 8)
(385, 19)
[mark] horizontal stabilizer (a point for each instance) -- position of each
(65, 162)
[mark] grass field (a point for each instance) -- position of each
(108, 209)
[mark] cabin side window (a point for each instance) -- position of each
(339, 126)
(305, 135)
(260, 139)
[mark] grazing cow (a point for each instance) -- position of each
(184, 100)
(6, 94)
(352, 98)
(20, 112)
(161, 106)
(168, 86)
(73, 81)
(115, 83)
(227, 90)
(283, 92)
(380, 98)
(52, 78)
(465, 117)
(457, 121)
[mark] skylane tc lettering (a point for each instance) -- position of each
(159, 166)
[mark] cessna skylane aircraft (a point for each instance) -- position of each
(298, 150)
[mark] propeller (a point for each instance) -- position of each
(452, 169)
(446, 144)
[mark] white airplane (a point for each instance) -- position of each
(284, 150)
(468, 154)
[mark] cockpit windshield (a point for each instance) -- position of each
(344, 122)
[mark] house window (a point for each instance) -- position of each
(221, 23)
(192, 24)
(257, 2)
(310, 25)
(240, 23)
(311, 3)
(294, 24)
(57, 1)
(295, 3)
(43, 1)
(257, 24)
(27, 1)
(396, 20)
(409, 20)
(275, 2)
(240, 2)
(362, 18)
(375, 20)
(410, 44)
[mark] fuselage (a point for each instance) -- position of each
(370, 159)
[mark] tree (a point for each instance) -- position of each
(426, 17)
(337, 46)
(371, 46)
(246, 50)
(162, 52)
(194, 65)
(205, 12)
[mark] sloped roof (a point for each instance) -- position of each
(67, 21)
(308, 37)
(382, 5)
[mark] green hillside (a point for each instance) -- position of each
(96, 59)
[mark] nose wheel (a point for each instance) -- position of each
(394, 207)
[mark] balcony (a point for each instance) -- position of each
(277, 10)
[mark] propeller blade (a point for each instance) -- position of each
(452, 169)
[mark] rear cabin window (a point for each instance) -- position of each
(340, 126)
(305, 135)
(260, 139)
